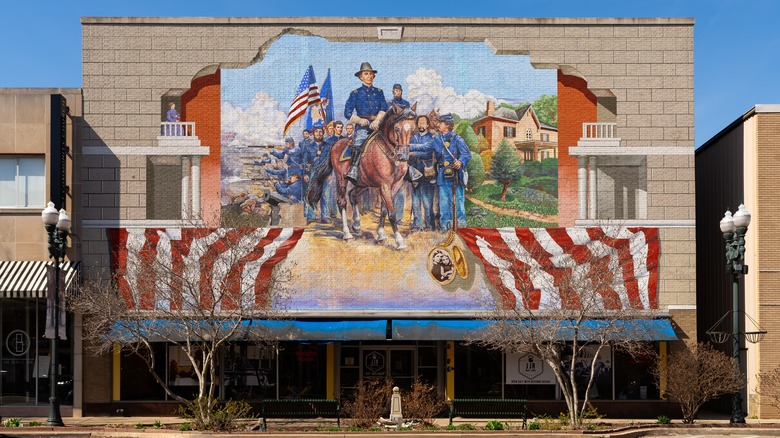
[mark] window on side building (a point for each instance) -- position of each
(22, 181)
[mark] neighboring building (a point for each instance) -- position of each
(39, 129)
(149, 177)
(534, 140)
(736, 166)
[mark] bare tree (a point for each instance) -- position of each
(196, 289)
(768, 387)
(697, 375)
(567, 297)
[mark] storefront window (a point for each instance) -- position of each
(136, 382)
(633, 378)
(302, 370)
(25, 355)
(250, 372)
(477, 372)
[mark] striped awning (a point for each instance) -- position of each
(27, 279)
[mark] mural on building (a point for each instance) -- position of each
(282, 117)
(455, 141)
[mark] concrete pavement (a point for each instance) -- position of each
(124, 427)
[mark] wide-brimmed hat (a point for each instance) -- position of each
(365, 67)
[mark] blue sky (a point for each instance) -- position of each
(737, 42)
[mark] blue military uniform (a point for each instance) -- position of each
(425, 188)
(277, 173)
(447, 148)
(313, 154)
(293, 191)
(294, 160)
(400, 101)
(367, 102)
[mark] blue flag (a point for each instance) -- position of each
(327, 98)
(322, 113)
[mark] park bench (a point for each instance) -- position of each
(488, 408)
(301, 408)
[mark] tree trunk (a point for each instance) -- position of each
(503, 192)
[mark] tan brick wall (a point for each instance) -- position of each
(684, 327)
(677, 275)
(25, 131)
(97, 379)
(647, 65)
(765, 228)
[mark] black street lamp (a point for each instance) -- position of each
(57, 226)
(734, 230)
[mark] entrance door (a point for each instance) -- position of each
(396, 363)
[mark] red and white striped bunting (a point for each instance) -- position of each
(525, 265)
(186, 268)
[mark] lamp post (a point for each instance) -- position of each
(734, 229)
(57, 226)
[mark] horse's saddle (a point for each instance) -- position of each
(346, 154)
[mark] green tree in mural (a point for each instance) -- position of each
(505, 166)
(465, 130)
(476, 172)
(483, 143)
(487, 160)
(546, 108)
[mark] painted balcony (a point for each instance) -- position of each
(177, 134)
(599, 134)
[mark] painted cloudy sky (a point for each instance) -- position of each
(453, 77)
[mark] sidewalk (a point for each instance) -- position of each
(121, 427)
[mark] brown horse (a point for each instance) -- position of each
(382, 166)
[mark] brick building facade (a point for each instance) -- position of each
(625, 145)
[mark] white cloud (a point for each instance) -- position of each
(261, 124)
(425, 87)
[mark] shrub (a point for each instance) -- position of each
(157, 424)
(535, 425)
(13, 422)
(422, 403)
(696, 375)
(663, 419)
(222, 418)
(139, 425)
(464, 426)
(34, 423)
(496, 425)
(370, 400)
(185, 427)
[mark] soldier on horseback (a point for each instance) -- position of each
(365, 108)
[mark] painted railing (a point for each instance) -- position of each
(599, 130)
(177, 129)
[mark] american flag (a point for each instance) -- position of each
(308, 94)
(526, 265)
(180, 268)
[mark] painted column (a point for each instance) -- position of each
(196, 187)
(116, 369)
(582, 188)
(185, 187)
(330, 372)
(450, 371)
(593, 198)
(662, 368)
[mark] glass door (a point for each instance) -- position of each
(401, 367)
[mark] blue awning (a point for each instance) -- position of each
(328, 330)
(277, 330)
(458, 330)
